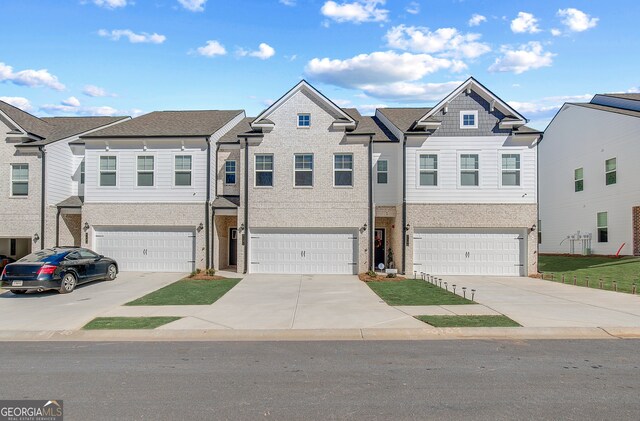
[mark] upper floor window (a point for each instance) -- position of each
(383, 171)
(182, 169)
(108, 171)
(303, 170)
(145, 171)
(343, 170)
(603, 227)
(304, 120)
(468, 119)
(428, 170)
(19, 180)
(578, 179)
(469, 170)
(230, 172)
(264, 171)
(610, 166)
(82, 172)
(511, 169)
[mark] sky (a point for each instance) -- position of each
(129, 57)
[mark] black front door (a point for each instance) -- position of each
(379, 241)
(233, 246)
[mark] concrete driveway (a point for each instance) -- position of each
(298, 302)
(536, 303)
(53, 311)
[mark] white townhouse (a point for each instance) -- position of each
(590, 178)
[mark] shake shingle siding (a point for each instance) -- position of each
(487, 121)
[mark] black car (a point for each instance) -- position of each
(59, 268)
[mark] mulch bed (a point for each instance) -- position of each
(206, 278)
(379, 278)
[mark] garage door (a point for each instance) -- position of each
(300, 252)
(468, 253)
(148, 250)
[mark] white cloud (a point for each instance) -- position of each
(30, 77)
(525, 22)
(72, 106)
(134, 38)
(540, 111)
(342, 102)
(211, 49)
(72, 101)
(526, 57)
(288, 2)
(369, 109)
(193, 5)
(576, 20)
(357, 11)
(378, 68)
(413, 8)
(448, 42)
(95, 91)
(18, 102)
(411, 92)
(264, 52)
(555, 32)
(110, 4)
(476, 20)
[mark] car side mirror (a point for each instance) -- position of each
(100, 257)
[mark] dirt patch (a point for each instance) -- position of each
(364, 277)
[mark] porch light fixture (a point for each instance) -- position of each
(241, 227)
(36, 237)
(200, 227)
(86, 226)
(406, 228)
(533, 227)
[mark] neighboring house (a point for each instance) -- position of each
(29, 213)
(589, 178)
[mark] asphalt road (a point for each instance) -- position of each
(478, 380)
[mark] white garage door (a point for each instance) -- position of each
(468, 253)
(148, 250)
(303, 252)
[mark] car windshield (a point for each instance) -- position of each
(41, 256)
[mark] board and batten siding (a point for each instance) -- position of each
(489, 150)
(163, 191)
(390, 193)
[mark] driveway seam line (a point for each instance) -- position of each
(295, 310)
(609, 333)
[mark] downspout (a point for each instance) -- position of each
(371, 223)
(42, 197)
(404, 203)
(213, 211)
(538, 221)
(246, 205)
(58, 227)
(207, 227)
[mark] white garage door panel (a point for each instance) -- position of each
(468, 253)
(165, 250)
(303, 252)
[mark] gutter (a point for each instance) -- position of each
(43, 152)
(207, 227)
(246, 205)
(371, 220)
(404, 203)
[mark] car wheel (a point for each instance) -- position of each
(18, 291)
(112, 272)
(68, 283)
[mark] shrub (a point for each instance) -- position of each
(372, 273)
(210, 272)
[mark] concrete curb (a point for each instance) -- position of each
(371, 334)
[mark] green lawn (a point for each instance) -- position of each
(415, 292)
(468, 321)
(625, 271)
(101, 323)
(187, 292)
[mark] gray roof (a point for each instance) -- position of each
(30, 123)
(369, 126)
(64, 127)
(633, 97)
(226, 202)
(622, 111)
(526, 130)
(71, 202)
(404, 118)
(170, 124)
(240, 129)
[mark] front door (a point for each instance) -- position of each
(379, 246)
(233, 246)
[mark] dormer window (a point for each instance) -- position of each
(468, 119)
(304, 120)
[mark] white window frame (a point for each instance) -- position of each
(83, 173)
(613, 171)
(379, 171)
(298, 120)
(503, 170)
(153, 172)
(303, 170)
(255, 171)
(344, 170)
(475, 119)
(173, 180)
(420, 170)
(11, 181)
(598, 227)
(100, 171)
(460, 169)
(575, 180)
(227, 172)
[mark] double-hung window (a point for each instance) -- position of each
(511, 169)
(578, 179)
(230, 172)
(303, 176)
(304, 120)
(469, 170)
(610, 167)
(19, 180)
(343, 170)
(264, 171)
(428, 170)
(108, 171)
(145, 171)
(182, 171)
(603, 227)
(383, 171)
